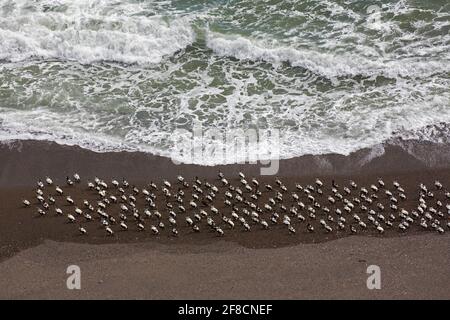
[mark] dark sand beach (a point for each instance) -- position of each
(267, 264)
(412, 267)
(353, 96)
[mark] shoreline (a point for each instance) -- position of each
(20, 171)
(51, 243)
(23, 162)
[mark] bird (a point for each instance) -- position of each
(239, 204)
(123, 226)
(319, 183)
(172, 221)
(438, 185)
(291, 229)
(219, 231)
(70, 200)
(82, 230)
(154, 230)
(153, 185)
(109, 231)
(59, 191)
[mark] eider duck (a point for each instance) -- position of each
(82, 230)
(109, 231)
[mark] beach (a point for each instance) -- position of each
(220, 149)
(146, 266)
(412, 267)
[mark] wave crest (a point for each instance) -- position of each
(325, 64)
(75, 33)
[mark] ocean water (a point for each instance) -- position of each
(329, 76)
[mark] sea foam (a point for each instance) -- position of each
(325, 64)
(89, 31)
(124, 75)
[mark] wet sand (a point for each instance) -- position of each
(22, 163)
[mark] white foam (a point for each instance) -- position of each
(90, 31)
(99, 107)
(19, 125)
(325, 64)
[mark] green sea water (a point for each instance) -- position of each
(331, 76)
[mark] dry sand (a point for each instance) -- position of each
(415, 267)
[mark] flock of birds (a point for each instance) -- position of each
(221, 206)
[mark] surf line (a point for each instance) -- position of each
(190, 310)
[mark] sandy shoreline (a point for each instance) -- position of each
(23, 162)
